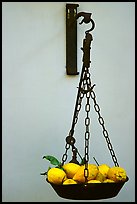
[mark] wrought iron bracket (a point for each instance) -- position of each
(71, 36)
(71, 39)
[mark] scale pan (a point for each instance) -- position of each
(90, 191)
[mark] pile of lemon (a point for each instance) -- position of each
(72, 173)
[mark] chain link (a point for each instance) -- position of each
(105, 132)
(78, 108)
(64, 157)
(87, 123)
(80, 96)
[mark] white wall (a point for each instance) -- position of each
(38, 97)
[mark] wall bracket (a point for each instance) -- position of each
(71, 39)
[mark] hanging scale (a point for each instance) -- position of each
(86, 191)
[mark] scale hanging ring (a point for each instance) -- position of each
(70, 140)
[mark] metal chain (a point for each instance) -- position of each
(87, 122)
(87, 135)
(85, 88)
(64, 157)
(78, 108)
(105, 132)
(80, 96)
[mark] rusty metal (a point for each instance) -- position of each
(71, 36)
(71, 39)
(87, 18)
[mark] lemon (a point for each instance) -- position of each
(56, 175)
(70, 169)
(117, 174)
(103, 169)
(108, 181)
(92, 172)
(94, 181)
(69, 181)
(100, 177)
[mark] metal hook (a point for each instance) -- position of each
(86, 19)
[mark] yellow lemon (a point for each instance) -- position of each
(56, 175)
(70, 169)
(108, 181)
(117, 174)
(103, 169)
(92, 172)
(94, 181)
(100, 177)
(69, 181)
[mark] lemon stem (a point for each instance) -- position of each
(45, 173)
(96, 161)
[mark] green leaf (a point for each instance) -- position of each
(82, 161)
(52, 160)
